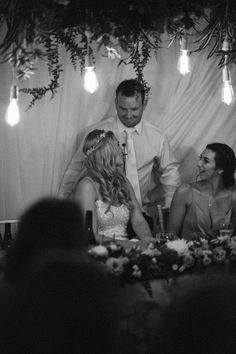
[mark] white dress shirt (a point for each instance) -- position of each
(157, 167)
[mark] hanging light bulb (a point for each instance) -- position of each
(227, 93)
(183, 62)
(12, 115)
(90, 79)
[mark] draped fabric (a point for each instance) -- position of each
(34, 154)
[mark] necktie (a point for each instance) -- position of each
(131, 166)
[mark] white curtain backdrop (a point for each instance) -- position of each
(35, 153)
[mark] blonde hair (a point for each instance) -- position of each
(102, 149)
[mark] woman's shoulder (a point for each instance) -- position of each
(185, 188)
(88, 185)
(184, 193)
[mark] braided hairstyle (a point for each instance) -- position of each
(226, 160)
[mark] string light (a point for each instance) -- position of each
(183, 61)
(90, 79)
(227, 92)
(13, 115)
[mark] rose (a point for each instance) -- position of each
(218, 254)
(206, 260)
(197, 252)
(233, 255)
(116, 265)
(188, 261)
(205, 245)
(175, 267)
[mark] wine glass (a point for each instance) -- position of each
(226, 229)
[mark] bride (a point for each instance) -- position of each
(105, 190)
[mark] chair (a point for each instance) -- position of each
(162, 219)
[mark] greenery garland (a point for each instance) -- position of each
(35, 30)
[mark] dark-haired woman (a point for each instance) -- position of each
(201, 207)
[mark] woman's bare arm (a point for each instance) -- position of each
(178, 209)
(86, 196)
(139, 224)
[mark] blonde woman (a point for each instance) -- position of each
(105, 190)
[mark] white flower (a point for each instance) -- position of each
(99, 251)
(180, 246)
(113, 247)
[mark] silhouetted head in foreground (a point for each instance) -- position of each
(49, 223)
(63, 304)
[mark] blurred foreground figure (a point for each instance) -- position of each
(62, 304)
(200, 319)
(49, 223)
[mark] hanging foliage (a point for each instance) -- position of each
(130, 30)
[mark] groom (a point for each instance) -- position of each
(155, 164)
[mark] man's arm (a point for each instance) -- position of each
(169, 167)
(72, 173)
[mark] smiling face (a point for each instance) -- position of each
(130, 109)
(207, 165)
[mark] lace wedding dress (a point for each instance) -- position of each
(112, 223)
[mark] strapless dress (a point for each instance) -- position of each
(112, 223)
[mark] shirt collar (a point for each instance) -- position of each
(121, 127)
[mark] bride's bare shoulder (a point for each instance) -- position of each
(86, 185)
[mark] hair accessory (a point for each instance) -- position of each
(94, 147)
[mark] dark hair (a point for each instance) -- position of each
(225, 159)
(130, 88)
(47, 224)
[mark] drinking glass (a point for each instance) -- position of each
(226, 229)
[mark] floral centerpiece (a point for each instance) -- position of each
(164, 261)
